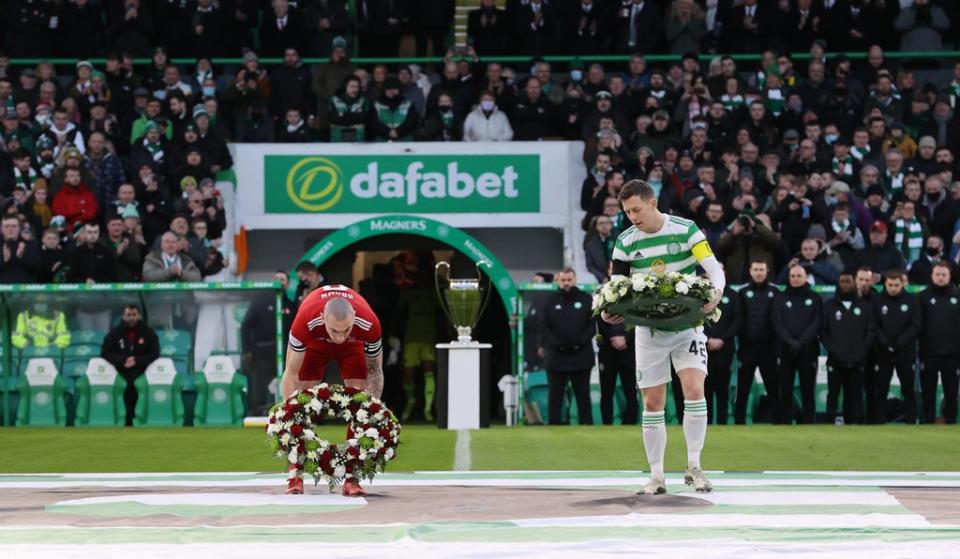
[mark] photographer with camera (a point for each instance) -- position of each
(746, 240)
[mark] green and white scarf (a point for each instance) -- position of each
(842, 168)
(155, 149)
(26, 182)
(860, 152)
(954, 93)
(908, 238)
(732, 102)
(896, 182)
(774, 101)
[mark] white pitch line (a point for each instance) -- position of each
(221, 499)
(462, 460)
(787, 521)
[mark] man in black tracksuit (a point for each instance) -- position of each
(757, 342)
(566, 336)
(898, 319)
(864, 281)
(847, 331)
(796, 319)
(720, 345)
(939, 345)
(130, 347)
(617, 360)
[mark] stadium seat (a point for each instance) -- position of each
(87, 338)
(160, 396)
(41, 390)
(220, 393)
(23, 356)
(100, 395)
(76, 358)
(536, 393)
(178, 345)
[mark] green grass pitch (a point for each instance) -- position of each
(731, 448)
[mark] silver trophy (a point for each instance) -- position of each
(463, 300)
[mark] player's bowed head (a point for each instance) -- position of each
(338, 316)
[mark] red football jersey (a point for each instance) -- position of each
(308, 331)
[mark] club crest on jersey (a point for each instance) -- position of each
(884, 310)
(904, 307)
(789, 304)
(673, 247)
(856, 311)
(658, 266)
(808, 302)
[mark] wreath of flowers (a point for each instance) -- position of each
(374, 434)
(657, 300)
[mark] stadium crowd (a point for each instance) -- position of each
(841, 166)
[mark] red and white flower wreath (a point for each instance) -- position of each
(374, 434)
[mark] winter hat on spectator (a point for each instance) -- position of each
(817, 231)
(200, 110)
(927, 142)
(207, 181)
(141, 92)
(604, 95)
(875, 190)
(130, 211)
(72, 153)
(83, 63)
(646, 149)
(338, 43)
(151, 125)
(29, 73)
(791, 134)
(878, 226)
(249, 56)
(58, 221)
(839, 187)
(661, 114)
(187, 181)
(746, 173)
(44, 142)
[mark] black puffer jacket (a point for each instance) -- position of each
(566, 331)
(756, 302)
(796, 319)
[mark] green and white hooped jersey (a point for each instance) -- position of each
(675, 248)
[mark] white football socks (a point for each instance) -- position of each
(655, 441)
(694, 429)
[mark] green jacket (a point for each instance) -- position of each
(139, 129)
(403, 119)
(40, 330)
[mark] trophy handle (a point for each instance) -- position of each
(436, 286)
(486, 296)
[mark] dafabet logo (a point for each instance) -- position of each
(403, 183)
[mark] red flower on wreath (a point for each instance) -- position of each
(296, 430)
(352, 390)
(374, 408)
(324, 394)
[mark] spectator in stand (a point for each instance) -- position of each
(51, 258)
(328, 78)
(378, 28)
(921, 26)
(75, 202)
(533, 114)
(130, 347)
(441, 124)
(486, 28)
(880, 255)
(107, 170)
(818, 270)
(933, 254)
(686, 27)
(88, 260)
(348, 112)
(290, 85)
(20, 259)
(126, 250)
(486, 122)
(598, 246)
(747, 240)
(168, 263)
(394, 118)
(282, 28)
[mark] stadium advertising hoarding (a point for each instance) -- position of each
(327, 186)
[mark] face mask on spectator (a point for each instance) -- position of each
(209, 91)
(445, 108)
(933, 251)
(576, 75)
(487, 105)
(933, 196)
(830, 138)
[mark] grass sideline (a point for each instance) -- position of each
(731, 448)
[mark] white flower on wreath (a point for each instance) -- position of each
(388, 454)
(309, 435)
(285, 439)
(293, 456)
(638, 282)
(372, 433)
(609, 294)
(682, 287)
(597, 300)
(362, 416)
(315, 405)
(339, 472)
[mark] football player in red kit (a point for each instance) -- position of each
(334, 323)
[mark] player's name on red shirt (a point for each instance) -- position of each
(309, 332)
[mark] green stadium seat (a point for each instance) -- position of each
(76, 358)
(220, 393)
(87, 338)
(41, 390)
(178, 345)
(23, 356)
(535, 392)
(159, 396)
(100, 395)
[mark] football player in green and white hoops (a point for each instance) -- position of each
(658, 242)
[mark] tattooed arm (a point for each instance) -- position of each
(375, 374)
